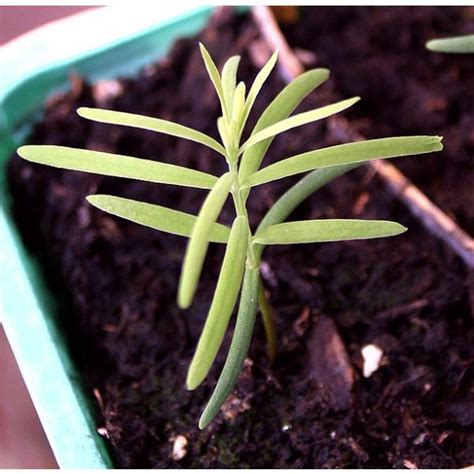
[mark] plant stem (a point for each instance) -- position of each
(240, 209)
(268, 322)
(238, 348)
(253, 261)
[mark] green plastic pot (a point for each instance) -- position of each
(119, 42)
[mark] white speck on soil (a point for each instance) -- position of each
(420, 439)
(372, 355)
(106, 90)
(103, 432)
(180, 450)
(409, 465)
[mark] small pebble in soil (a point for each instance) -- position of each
(419, 439)
(103, 432)
(372, 355)
(409, 465)
(286, 427)
(234, 406)
(180, 448)
(105, 91)
(442, 437)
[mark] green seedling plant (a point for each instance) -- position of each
(240, 270)
(454, 45)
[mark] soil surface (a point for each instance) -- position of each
(379, 53)
(409, 295)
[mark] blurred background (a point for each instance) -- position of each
(17, 20)
(23, 443)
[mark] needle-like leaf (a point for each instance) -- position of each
(456, 44)
(300, 191)
(223, 132)
(149, 123)
(238, 347)
(298, 120)
(292, 198)
(229, 80)
(225, 296)
(199, 241)
(257, 85)
(280, 108)
(238, 102)
(154, 216)
(215, 77)
(326, 230)
(121, 166)
(348, 153)
(237, 122)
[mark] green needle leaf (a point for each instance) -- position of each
(298, 120)
(222, 129)
(121, 166)
(300, 191)
(225, 297)
(280, 108)
(238, 102)
(149, 123)
(215, 77)
(199, 241)
(237, 123)
(257, 85)
(229, 80)
(326, 230)
(456, 44)
(238, 348)
(348, 153)
(154, 216)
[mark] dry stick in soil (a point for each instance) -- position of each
(431, 216)
(240, 270)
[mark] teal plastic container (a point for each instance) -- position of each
(119, 42)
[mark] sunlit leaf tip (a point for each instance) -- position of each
(455, 44)
(199, 240)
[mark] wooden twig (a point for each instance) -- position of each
(431, 216)
(289, 66)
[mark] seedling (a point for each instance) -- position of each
(454, 45)
(240, 270)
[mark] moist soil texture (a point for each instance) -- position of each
(116, 284)
(379, 53)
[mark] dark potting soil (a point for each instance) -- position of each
(117, 284)
(379, 54)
